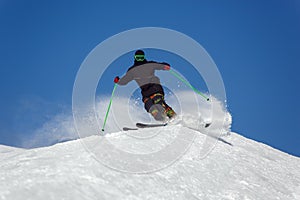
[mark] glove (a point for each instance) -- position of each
(167, 67)
(116, 80)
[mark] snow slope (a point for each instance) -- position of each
(237, 168)
(179, 161)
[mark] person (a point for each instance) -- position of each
(143, 72)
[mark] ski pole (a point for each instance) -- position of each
(188, 84)
(109, 105)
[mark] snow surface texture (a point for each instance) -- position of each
(237, 168)
(202, 165)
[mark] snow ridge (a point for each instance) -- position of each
(238, 169)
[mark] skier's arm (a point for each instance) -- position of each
(162, 66)
(125, 79)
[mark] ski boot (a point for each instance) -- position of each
(158, 112)
(170, 113)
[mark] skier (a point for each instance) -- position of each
(143, 72)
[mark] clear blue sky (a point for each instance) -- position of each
(255, 44)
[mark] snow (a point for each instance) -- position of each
(179, 161)
(238, 169)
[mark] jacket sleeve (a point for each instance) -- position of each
(126, 78)
(160, 66)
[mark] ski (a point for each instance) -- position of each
(142, 125)
(129, 129)
(207, 125)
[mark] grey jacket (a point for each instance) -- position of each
(144, 75)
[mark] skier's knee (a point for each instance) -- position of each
(158, 99)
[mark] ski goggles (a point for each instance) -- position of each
(139, 57)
